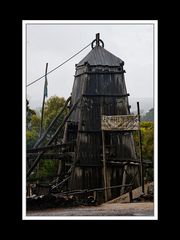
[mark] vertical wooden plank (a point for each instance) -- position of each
(130, 195)
(124, 178)
(104, 165)
(140, 148)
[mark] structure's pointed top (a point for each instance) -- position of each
(99, 55)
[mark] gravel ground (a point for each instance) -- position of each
(107, 209)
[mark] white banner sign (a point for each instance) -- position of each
(120, 123)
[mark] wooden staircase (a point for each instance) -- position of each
(52, 145)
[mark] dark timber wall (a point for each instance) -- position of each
(99, 80)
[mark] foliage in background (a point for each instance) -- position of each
(149, 116)
(147, 132)
(32, 125)
(52, 107)
(46, 169)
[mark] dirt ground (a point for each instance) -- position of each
(107, 209)
(119, 206)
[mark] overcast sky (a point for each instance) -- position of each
(56, 43)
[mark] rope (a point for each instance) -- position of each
(57, 66)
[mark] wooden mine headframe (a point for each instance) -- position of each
(89, 157)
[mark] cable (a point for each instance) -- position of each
(58, 66)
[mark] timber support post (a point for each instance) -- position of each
(140, 149)
(130, 195)
(104, 166)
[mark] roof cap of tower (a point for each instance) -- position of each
(100, 56)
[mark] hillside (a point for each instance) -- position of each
(149, 116)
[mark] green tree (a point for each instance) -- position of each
(48, 168)
(32, 134)
(149, 116)
(32, 126)
(31, 138)
(52, 107)
(147, 132)
(29, 114)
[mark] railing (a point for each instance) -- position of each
(95, 190)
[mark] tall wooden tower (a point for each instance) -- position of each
(90, 158)
(99, 83)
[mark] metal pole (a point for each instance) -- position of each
(140, 149)
(42, 113)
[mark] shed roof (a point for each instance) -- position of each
(100, 56)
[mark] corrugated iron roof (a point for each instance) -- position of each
(100, 56)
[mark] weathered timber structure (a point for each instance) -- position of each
(91, 157)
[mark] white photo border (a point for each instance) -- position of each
(155, 95)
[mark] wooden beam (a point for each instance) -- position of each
(51, 155)
(51, 147)
(106, 95)
(74, 192)
(140, 149)
(110, 72)
(104, 166)
(130, 195)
